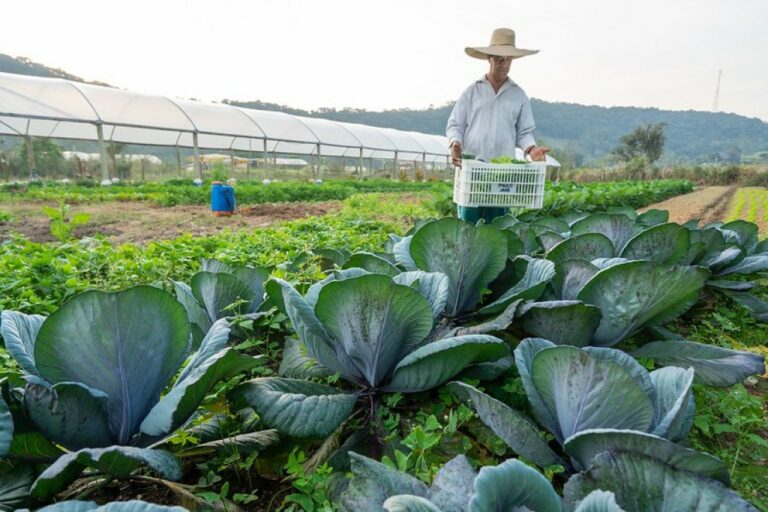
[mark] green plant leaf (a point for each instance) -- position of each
(255, 278)
(538, 273)
(585, 247)
(6, 428)
(746, 232)
(587, 398)
(432, 285)
(402, 253)
(244, 443)
(198, 318)
(749, 265)
(373, 482)
(374, 321)
(513, 486)
(571, 276)
(217, 291)
(599, 501)
(296, 407)
(409, 503)
(512, 427)
(664, 243)
(117, 461)
(549, 239)
(674, 406)
(756, 307)
(127, 345)
(653, 217)
(177, 407)
(588, 444)
(470, 256)
(371, 263)
(453, 485)
(69, 413)
(15, 481)
(437, 362)
(34, 447)
(296, 364)
(19, 332)
(643, 483)
(713, 366)
(524, 354)
(313, 334)
(618, 228)
(116, 506)
(635, 294)
(563, 322)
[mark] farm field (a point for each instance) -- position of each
(262, 416)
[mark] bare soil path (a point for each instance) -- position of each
(140, 222)
(708, 204)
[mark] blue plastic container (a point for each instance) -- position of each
(222, 199)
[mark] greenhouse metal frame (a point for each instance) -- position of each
(63, 109)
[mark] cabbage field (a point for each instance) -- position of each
(389, 356)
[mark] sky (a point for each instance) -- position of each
(377, 55)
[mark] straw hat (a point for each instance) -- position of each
(502, 45)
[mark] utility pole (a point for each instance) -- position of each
(717, 90)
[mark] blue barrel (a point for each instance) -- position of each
(222, 199)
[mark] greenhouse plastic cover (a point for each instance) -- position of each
(57, 108)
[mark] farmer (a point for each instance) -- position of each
(493, 115)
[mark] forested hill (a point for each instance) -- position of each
(588, 131)
(25, 66)
(591, 131)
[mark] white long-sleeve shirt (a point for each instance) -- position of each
(490, 125)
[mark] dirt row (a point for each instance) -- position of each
(708, 204)
(139, 222)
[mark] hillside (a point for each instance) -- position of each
(25, 66)
(586, 133)
(590, 131)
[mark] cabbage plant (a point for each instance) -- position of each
(373, 332)
(457, 487)
(218, 291)
(103, 379)
(617, 482)
(474, 258)
(659, 402)
(115, 506)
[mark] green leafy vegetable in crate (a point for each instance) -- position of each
(507, 160)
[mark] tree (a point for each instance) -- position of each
(49, 157)
(646, 140)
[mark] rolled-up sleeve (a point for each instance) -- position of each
(525, 127)
(457, 122)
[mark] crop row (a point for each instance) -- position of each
(428, 322)
(558, 197)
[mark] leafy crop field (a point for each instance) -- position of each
(751, 204)
(374, 360)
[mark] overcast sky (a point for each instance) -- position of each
(378, 55)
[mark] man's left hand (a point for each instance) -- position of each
(538, 153)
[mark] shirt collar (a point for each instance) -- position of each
(508, 83)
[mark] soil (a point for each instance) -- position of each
(708, 204)
(139, 222)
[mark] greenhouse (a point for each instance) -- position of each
(62, 109)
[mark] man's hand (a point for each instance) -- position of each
(456, 153)
(539, 153)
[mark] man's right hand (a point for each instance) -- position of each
(456, 153)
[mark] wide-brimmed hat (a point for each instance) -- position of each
(502, 45)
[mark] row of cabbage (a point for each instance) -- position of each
(110, 376)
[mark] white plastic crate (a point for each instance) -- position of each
(479, 183)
